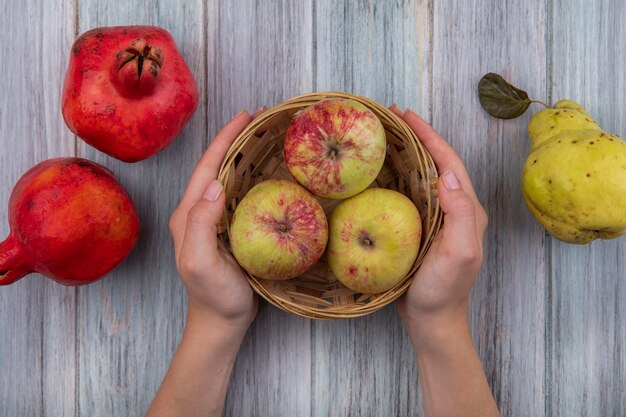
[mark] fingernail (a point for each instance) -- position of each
(213, 191)
(394, 106)
(260, 109)
(450, 181)
(242, 111)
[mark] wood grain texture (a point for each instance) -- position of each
(548, 318)
(365, 366)
(37, 329)
(378, 50)
(587, 327)
(130, 323)
(507, 304)
(260, 53)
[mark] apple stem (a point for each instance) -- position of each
(333, 151)
(282, 228)
(364, 239)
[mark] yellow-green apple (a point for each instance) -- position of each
(373, 240)
(335, 148)
(278, 230)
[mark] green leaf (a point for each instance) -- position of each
(501, 99)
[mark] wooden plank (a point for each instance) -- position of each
(38, 322)
(260, 53)
(507, 304)
(130, 323)
(587, 332)
(272, 374)
(365, 366)
(378, 50)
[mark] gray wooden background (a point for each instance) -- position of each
(548, 318)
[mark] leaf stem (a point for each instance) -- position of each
(540, 102)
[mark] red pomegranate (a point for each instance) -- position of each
(128, 91)
(70, 220)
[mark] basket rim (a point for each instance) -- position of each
(301, 101)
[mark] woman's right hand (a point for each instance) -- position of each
(434, 309)
(441, 286)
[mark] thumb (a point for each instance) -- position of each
(460, 234)
(200, 241)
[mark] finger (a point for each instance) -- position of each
(208, 166)
(445, 157)
(394, 108)
(443, 154)
(460, 234)
(258, 112)
(199, 244)
(447, 160)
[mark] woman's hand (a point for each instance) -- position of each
(442, 284)
(434, 309)
(215, 283)
(221, 302)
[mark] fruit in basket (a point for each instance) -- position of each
(278, 230)
(374, 239)
(335, 148)
(128, 91)
(574, 180)
(70, 220)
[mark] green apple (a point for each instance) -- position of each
(373, 241)
(278, 230)
(335, 148)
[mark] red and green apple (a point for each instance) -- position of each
(374, 239)
(278, 230)
(335, 148)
